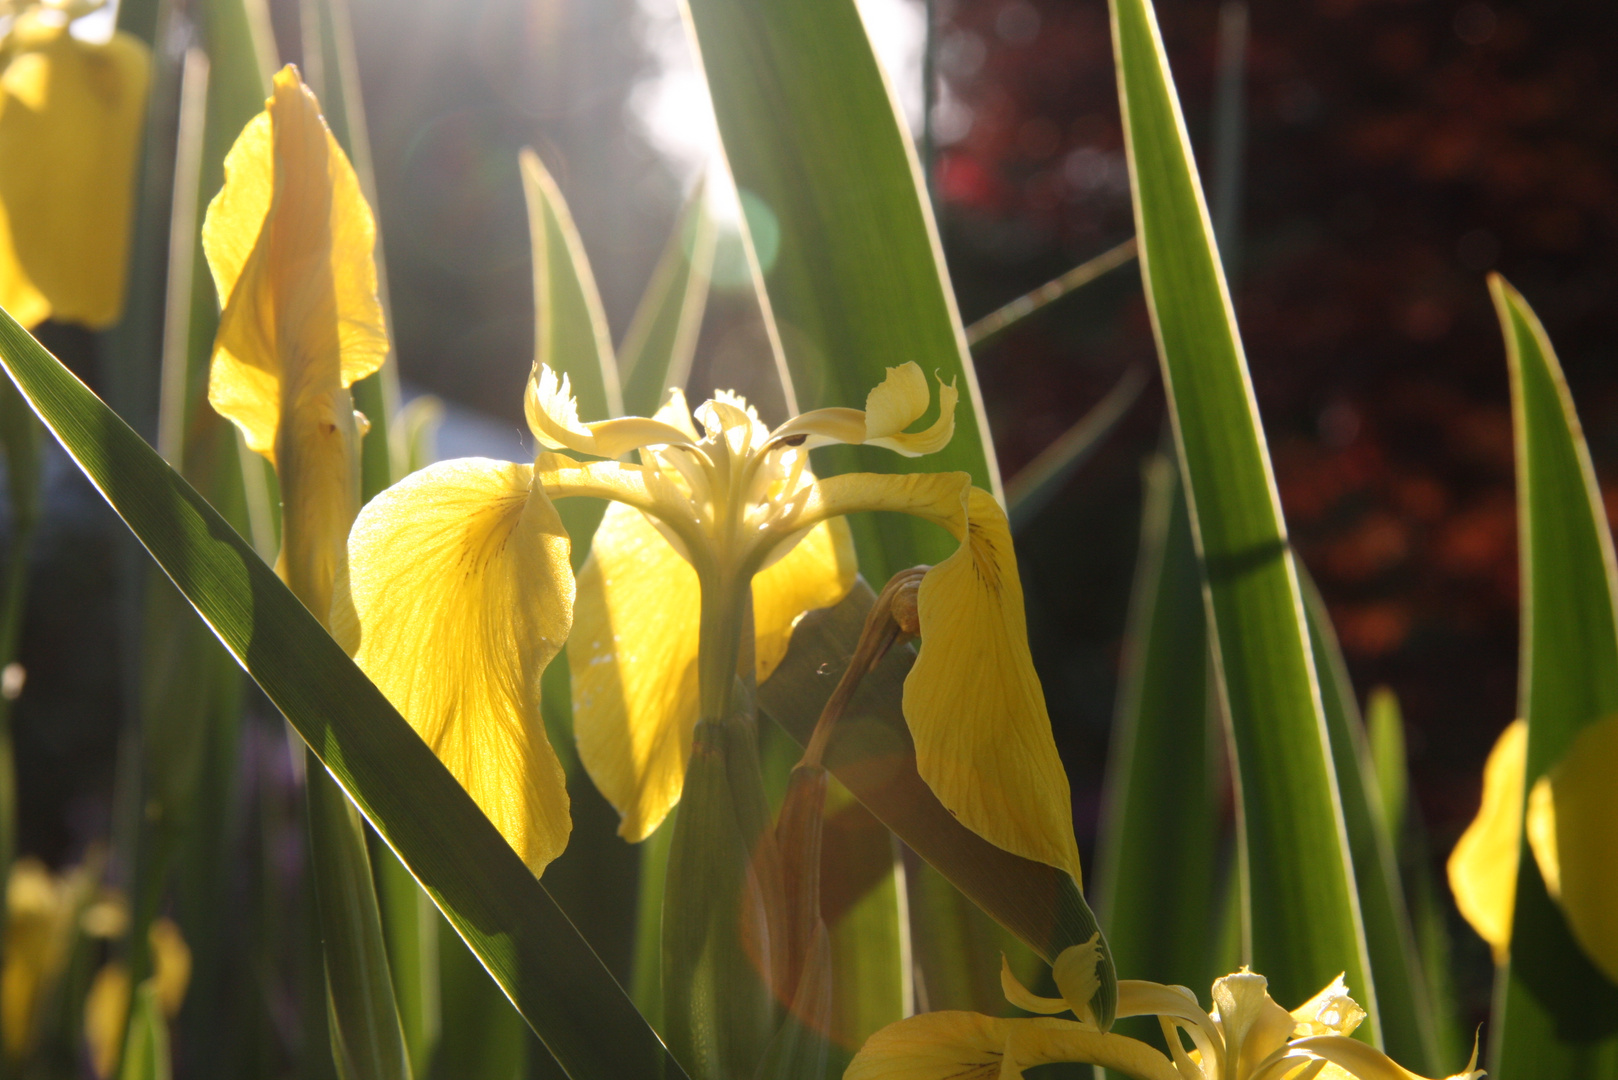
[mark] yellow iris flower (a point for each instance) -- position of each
(1571, 816)
(1247, 1036)
(461, 593)
(70, 123)
(289, 241)
(42, 911)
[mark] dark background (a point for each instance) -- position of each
(1395, 151)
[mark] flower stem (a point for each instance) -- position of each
(891, 618)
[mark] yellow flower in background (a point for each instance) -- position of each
(70, 123)
(1571, 819)
(1483, 866)
(720, 519)
(106, 1006)
(289, 239)
(1573, 831)
(1247, 1036)
(41, 913)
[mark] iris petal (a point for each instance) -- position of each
(289, 240)
(633, 658)
(945, 1045)
(899, 402)
(970, 1046)
(459, 594)
(633, 653)
(972, 701)
(816, 573)
(70, 124)
(1483, 866)
(1573, 830)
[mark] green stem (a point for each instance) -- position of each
(10, 634)
(366, 1039)
(723, 899)
(726, 611)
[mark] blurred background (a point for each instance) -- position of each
(1368, 161)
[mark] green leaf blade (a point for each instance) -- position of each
(1409, 1016)
(662, 337)
(1155, 870)
(1559, 1016)
(570, 326)
(1303, 926)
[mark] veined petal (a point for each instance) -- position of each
(1365, 1062)
(70, 125)
(972, 701)
(1483, 866)
(1043, 1041)
(633, 658)
(1573, 831)
(898, 402)
(553, 416)
(816, 573)
(289, 240)
(948, 1045)
(459, 594)
(970, 1046)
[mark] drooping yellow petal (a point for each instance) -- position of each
(898, 402)
(70, 124)
(289, 239)
(972, 701)
(1483, 866)
(816, 573)
(1044, 1041)
(459, 593)
(1573, 831)
(633, 658)
(933, 1046)
(970, 1046)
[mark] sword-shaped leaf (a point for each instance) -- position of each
(1303, 924)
